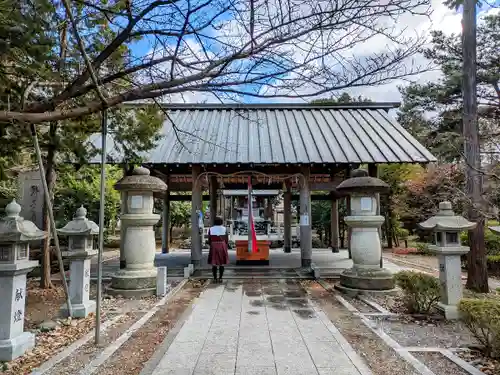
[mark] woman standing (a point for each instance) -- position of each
(218, 242)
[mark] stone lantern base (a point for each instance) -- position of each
(14, 342)
(15, 347)
(79, 310)
(355, 281)
(450, 312)
(133, 284)
(79, 286)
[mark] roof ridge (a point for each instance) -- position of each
(270, 106)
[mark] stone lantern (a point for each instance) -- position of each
(138, 278)
(366, 249)
(81, 233)
(447, 227)
(15, 235)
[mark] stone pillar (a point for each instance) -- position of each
(213, 198)
(15, 234)
(447, 227)
(196, 206)
(366, 273)
(138, 278)
(80, 232)
(305, 219)
(31, 196)
(165, 238)
(287, 218)
(334, 218)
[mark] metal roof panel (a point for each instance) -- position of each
(280, 134)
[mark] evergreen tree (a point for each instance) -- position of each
(55, 58)
(432, 112)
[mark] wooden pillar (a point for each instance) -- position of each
(231, 218)
(349, 230)
(334, 219)
(123, 231)
(196, 206)
(269, 209)
(165, 238)
(287, 218)
(373, 172)
(348, 212)
(213, 199)
(305, 219)
(223, 207)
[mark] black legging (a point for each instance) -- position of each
(214, 271)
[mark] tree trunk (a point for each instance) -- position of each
(390, 229)
(342, 235)
(50, 178)
(477, 273)
(328, 236)
(171, 231)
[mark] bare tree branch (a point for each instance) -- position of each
(262, 49)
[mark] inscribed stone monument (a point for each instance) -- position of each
(15, 234)
(31, 196)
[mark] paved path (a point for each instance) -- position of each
(258, 328)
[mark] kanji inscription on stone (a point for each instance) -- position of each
(19, 294)
(87, 272)
(86, 287)
(34, 194)
(18, 316)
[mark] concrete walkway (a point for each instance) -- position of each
(258, 328)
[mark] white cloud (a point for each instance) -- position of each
(443, 19)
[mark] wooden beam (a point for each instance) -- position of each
(269, 169)
(206, 197)
(315, 186)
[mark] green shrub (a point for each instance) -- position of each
(421, 291)
(493, 263)
(482, 318)
(423, 248)
(317, 243)
(401, 233)
(493, 258)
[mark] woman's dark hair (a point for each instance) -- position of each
(218, 220)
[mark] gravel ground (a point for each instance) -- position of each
(487, 365)
(427, 261)
(442, 334)
(393, 303)
(381, 359)
(360, 305)
(439, 364)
